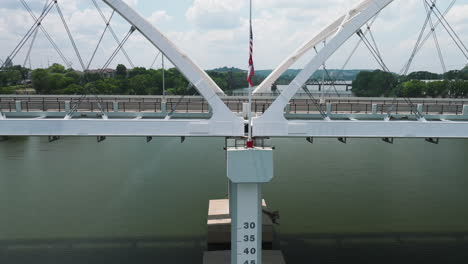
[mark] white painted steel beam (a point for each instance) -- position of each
(363, 129)
(205, 128)
(369, 9)
(197, 76)
(273, 121)
(329, 31)
(118, 127)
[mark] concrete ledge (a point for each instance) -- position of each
(221, 257)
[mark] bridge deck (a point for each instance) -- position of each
(190, 116)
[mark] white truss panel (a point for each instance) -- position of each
(119, 127)
(363, 129)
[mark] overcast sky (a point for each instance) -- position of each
(215, 32)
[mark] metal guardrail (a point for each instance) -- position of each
(199, 105)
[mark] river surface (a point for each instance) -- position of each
(126, 188)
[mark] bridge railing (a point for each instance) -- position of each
(199, 105)
(308, 107)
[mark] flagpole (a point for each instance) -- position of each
(250, 141)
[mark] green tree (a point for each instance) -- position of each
(140, 84)
(374, 84)
(72, 89)
(104, 86)
(221, 79)
(464, 73)
(3, 79)
(136, 71)
(58, 81)
(57, 68)
(40, 81)
(437, 89)
(458, 88)
(75, 76)
(423, 75)
(414, 88)
(7, 90)
(452, 75)
(121, 71)
(13, 77)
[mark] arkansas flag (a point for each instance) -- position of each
(251, 71)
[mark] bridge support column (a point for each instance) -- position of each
(420, 108)
(67, 106)
(329, 109)
(247, 170)
(164, 106)
(465, 110)
(374, 109)
(115, 106)
(18, 106)
(245, 109)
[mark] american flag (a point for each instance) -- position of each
(251, 72)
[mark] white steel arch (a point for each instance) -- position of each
(197, 76)
(327, 32)
(273, 122)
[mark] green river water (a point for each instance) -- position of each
(124, 188)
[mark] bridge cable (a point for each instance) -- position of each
(369, 25)
(348, 59)
(119, 47)
(437, 13)
(100, 40)
(155, 59)
(47, 35)
(28, 34)
(28, 55)
(174, 107)
(111, 30)
(116, 51)
(375, 44)
(428, 35)
(109, 61)
(439, 21)
(25, 38)
(332, 82)
(436, 41)
(70, 36)
(316, 103)
(373, 51)
(415, 49)
(420, 44)
(450, 30)
(380, 60)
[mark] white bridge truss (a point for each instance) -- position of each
(222, 122)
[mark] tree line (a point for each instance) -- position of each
(56, 79)
(453, 84)
(137, 81)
